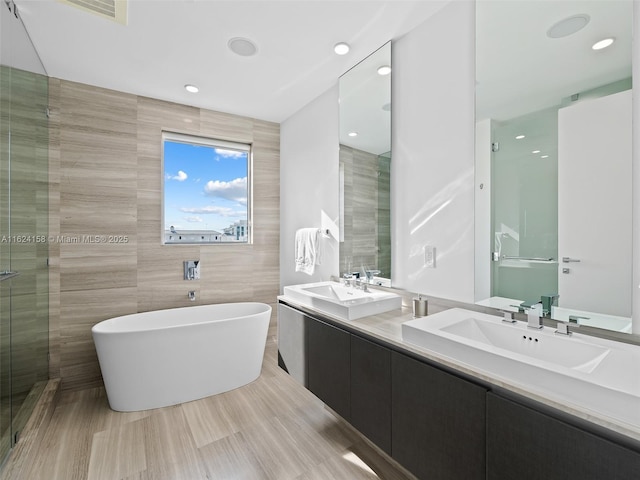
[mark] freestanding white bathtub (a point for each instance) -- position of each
(166, 357)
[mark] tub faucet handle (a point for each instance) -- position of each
(192, 295)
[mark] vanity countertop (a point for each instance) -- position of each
(387, 328)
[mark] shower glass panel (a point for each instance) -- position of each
(24, 203)
(5, 259)
(525, 207)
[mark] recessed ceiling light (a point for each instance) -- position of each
(353, 134)
(604, 43)
(384, 70)
(519, 137)
(191, 88)
(536, 151)
(341, 48)
(242, 46)
(568, 26)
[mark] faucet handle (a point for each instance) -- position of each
(562, 327)
(575, 319)
(507, 316)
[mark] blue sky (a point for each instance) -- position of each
(205, 188)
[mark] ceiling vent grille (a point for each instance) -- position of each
(115, 10)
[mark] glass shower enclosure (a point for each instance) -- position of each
(525, 207)
(24, 277)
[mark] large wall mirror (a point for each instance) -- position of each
(553, 158)
(365, 161)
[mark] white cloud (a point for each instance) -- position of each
(235, 190)
(181, 176)
(213, 210)
(194, 219)
(230, 153)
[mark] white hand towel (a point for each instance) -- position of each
(307, 250)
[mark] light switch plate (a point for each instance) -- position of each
(430, 256)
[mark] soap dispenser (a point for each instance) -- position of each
(419, 307)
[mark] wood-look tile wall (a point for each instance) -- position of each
(106, 172)
(360, 208)
(384, 216)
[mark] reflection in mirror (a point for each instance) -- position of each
(553, 154)
(365, 162)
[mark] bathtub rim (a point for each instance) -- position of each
(100, 328)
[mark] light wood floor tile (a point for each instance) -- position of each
(271, 429)
(118, 452)
(334, 467)
(170, 447)
(230, 459)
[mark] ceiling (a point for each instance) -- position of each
(365, 104)
(166, 44)
(519, 69)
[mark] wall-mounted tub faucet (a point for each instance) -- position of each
(192, 295)
(191, 269)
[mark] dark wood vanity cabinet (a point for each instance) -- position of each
(442, 426)
(328, 365)
(438, 422)
(430, 421)
(352, 376)
(371, 391)
(525, 444)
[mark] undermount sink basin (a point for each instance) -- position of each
(345, 302)
(594, 373)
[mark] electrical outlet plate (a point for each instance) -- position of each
(430, 256)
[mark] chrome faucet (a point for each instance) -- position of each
(369, 273)
(548, 302)
(534, 316)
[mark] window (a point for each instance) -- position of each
(206, 190)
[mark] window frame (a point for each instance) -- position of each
(196, 139)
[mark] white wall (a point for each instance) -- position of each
(483, 243)
(309, 146)
(432, 194)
